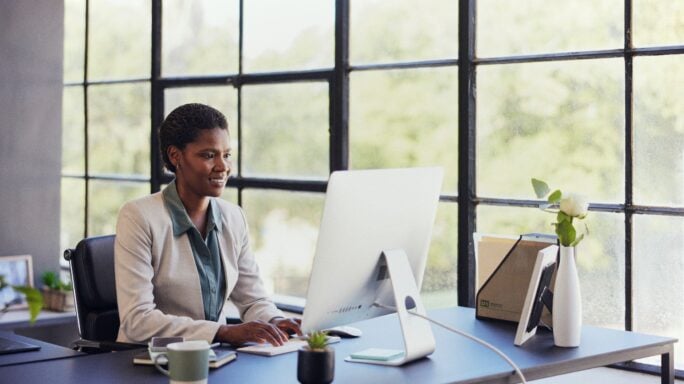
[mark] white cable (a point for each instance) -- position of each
(471, 337)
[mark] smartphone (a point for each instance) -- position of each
(158, 344)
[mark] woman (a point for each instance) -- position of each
(182, 253)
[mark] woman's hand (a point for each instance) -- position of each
(253, 331)
(288, 325)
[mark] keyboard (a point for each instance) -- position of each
(291, 345)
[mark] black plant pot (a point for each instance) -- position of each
(315, 366)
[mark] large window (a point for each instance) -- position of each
(583, 94)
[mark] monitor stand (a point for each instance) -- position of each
(417, 334)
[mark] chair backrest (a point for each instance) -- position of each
(92, 276)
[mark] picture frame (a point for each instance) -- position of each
(539, 286)
(18, 270)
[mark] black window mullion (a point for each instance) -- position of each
(339, 91)
(238, 86)
(86, 181)
(157, 107)
(239, 139)
(466, 153)
(629, 168)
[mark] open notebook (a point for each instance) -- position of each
(217, 358)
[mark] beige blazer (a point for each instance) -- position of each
(157, 284)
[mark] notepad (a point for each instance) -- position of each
(217, 358)
(377, 354)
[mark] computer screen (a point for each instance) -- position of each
(367, 212)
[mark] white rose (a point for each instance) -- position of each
(574, 205)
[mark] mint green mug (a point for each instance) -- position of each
(188, 362)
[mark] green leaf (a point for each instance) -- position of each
(555, 197)
(317, 340)
(566, 233)
(34, 299)
(562, 216)
(577, 240)
(51, 280)
(541, 189)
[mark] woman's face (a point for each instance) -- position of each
(202, 168)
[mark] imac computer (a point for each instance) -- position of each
(372, 249)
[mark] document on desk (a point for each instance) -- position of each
(291, 345)
(217, 358)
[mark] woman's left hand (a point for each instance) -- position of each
(288, 325)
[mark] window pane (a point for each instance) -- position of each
(222, 98)
(600, 256)
(403, 30)
(658, 22)
(285, 130)
(658, 279)
(74, 40)
(119, 129)
(283, 232)
(119, 42)
(73, 212)
(200, 37)
(659, 130)
(73, 136)
(540, 26)
(561, 122)
(287, 35)
(230, 194)
(405, 118)
(439, 283)
(105, 198)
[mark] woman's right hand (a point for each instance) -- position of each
(253, 331)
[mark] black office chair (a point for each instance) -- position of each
(92, 276)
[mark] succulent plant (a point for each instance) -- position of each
(317, 340)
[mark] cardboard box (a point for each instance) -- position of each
(504, 267)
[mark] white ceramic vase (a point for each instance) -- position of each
(567, 302)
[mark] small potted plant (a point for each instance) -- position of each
(57, 295)
(316, 360)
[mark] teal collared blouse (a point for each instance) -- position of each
(205, 251)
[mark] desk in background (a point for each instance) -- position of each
(58, 328)
(456, 359)
(47, 352)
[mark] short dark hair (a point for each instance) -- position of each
(183, 125)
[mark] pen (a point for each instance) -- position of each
(215, 345)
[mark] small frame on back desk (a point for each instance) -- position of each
(538, 294)
(17, 270)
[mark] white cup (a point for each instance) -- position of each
(188, 362)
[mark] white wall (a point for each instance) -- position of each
(31, 55)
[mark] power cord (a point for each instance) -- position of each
(471, 337)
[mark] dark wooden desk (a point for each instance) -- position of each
(47, 351)
(456, 359)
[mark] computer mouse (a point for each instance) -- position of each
(344, 331)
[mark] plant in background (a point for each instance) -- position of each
(567, 208)
(56, 293)
(317, 340)
(34, 299)
(51, 280)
